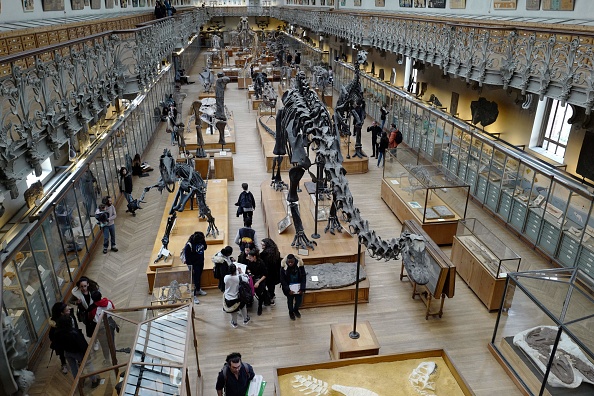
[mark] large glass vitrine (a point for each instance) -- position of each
(429, 193)
(543, 333)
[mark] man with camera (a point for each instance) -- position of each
(105, 216)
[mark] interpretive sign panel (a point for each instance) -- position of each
(504, 4)
(461, 4)
(53, 5)
(558, 5)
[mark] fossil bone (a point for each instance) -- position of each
(353, 391)
(420, 378)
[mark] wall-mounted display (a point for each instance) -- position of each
(96, 4)
(134, 3)
(28, 5)
(532, 5)
(124, 3)
(437, 3)
(504, 4)
(53, 5)
(380, 3)
(558, 5)
(142, 3)
(357, 3)
(108, 3)
(420, 3)
(457, 4)
(405, 3)
(77, 4)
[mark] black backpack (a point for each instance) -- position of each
(245, 292)
(398, 138)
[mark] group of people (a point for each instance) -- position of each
(163, 8)
(66, 337)
(381, 141)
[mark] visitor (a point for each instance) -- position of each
(272, 260)
(81, 296)
(126, 188)
(384, 113)
(231, 303)
(395, 139)
(93, 316)
(60, 309)
(235, 376)
(246, 235)
(109, 227)
(194, 253)
(381, 149)
(221, 262)
(376, 134)
(246, 204)
(257, 269)
(293, 278)
(138, 168)
(73, 343)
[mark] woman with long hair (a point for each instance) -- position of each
(81, 296)
(137, 169)
(194, 253)
(272, 259)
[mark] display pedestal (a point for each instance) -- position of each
(223, 166)
(211, 140)
(187, 223)
(342, 346)
(353, 165)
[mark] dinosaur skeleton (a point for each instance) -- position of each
(191, 185)
(351, 94)
(304, 123)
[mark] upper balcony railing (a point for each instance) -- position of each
(54, 96)
(557, 63)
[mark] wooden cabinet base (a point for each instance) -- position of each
(483, 283)
(342, 346)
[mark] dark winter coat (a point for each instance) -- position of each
(285, 275)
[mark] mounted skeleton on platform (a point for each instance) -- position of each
(244, 36)
(191, 185)
(305, 123)
(350, 95)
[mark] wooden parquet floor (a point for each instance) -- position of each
(272, 339)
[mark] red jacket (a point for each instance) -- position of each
(98, 307)
(392, 139)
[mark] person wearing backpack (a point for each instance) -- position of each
(246, 235)
(235, 376)
(293, 278)
(99, 305)
(395, 139)
(231, 301)
(245, 203)
(60, 309)
(193, 254)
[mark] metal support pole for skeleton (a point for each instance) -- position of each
(354, 334)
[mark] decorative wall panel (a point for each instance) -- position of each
(28, 5)
(53, 5)
(558, 5)
(77, 4)
(533, 5)
(504, 4)
(457, 4)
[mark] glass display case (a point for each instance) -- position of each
(543, 334)
(430, 193)
(483, 261)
